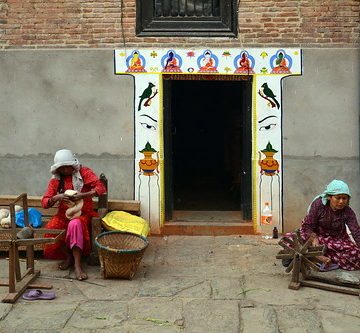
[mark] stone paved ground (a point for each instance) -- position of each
(186, 284)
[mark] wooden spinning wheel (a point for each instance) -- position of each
(304, 257)
(18, 282)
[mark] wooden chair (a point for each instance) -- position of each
(18, 282)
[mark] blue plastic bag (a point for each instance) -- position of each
(34, 218)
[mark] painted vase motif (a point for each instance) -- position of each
(269, 165)
(148, 164)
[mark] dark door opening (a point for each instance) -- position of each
(207, 146)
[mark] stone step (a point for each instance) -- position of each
(207, 228)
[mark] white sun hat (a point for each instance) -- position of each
(64, 157)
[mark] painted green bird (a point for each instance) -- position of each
(269, 94)
(146, 94)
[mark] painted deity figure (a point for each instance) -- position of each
(171, 64)
(245, 65)
(281, 64)
(136, 63)
(208, 63)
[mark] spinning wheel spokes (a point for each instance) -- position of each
(303, 256)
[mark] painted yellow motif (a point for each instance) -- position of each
(148, 164)
(269, 165)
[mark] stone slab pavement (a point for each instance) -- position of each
(204, 284)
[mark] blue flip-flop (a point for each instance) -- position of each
(331, 267)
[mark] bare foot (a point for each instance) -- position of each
(326, 261)
(64, 265)
(80, 274)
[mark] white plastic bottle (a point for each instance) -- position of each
(266, 220)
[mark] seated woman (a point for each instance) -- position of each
(68, 174)
(328, 216)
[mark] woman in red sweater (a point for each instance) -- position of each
(68, 174)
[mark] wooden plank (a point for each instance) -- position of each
(329, 287)
(34, 241)
(21, 287)
(325, 278)
(113, 204)
(12, 277)
(31, 286)
(33, 201)
(126, 205)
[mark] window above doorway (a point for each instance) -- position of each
(191, 18)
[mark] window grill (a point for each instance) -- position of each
(198, 18)
(187, 8)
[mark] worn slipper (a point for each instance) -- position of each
(286, 262)
(37, 294)
(331, 267)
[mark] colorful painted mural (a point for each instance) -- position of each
(214, 61)
(266, 66)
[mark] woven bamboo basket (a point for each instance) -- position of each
(120, 253)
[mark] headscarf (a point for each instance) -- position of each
(333, 188)
(66, 157)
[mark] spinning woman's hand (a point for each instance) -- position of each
(76, 197)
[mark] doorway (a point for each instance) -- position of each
(207, 141)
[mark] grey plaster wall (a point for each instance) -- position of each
(53, 99)
(321, 129)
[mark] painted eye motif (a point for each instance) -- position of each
(147, 126)
(267, 127)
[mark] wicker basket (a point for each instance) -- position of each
(120, 253)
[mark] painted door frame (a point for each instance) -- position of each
(267, 66)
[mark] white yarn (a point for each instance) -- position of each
(74, 209)
(6, 222)
(5, 217)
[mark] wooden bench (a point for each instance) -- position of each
(102, 205)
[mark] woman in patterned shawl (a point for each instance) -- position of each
(328, 216)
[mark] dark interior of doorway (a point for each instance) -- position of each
(207, 121)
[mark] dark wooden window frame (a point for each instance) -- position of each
(223, 26)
